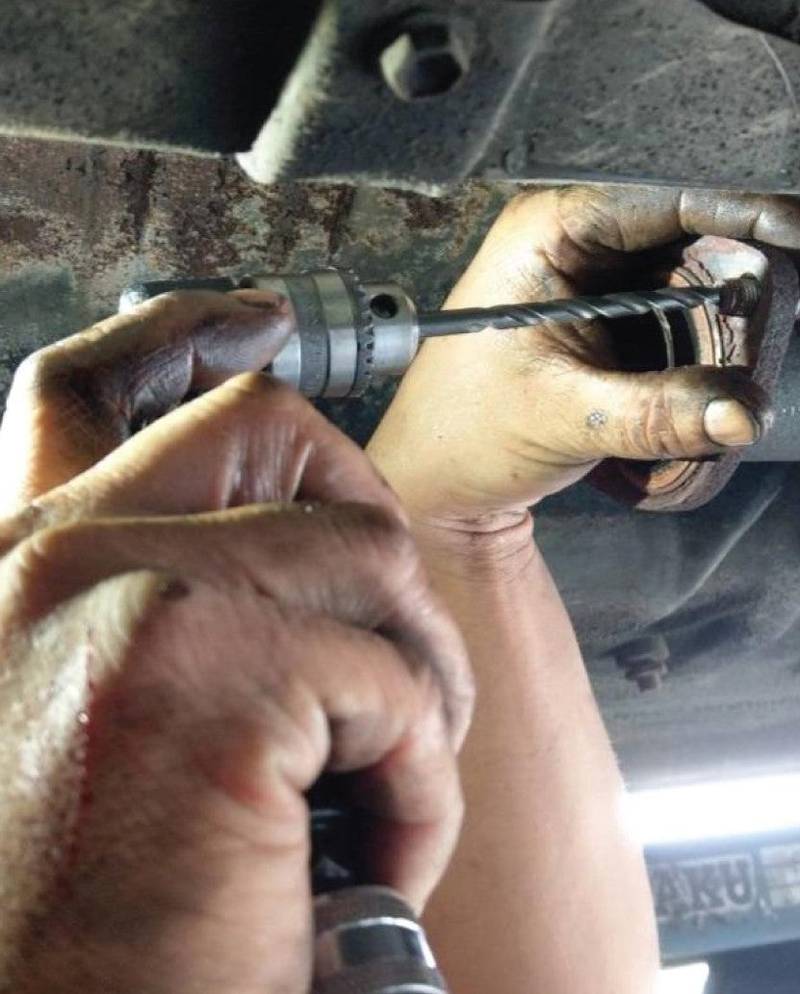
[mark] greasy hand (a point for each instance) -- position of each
(485, 425)
(194, 624)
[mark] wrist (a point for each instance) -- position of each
(493, 548)
(454, 535)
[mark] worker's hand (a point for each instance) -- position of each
(192, 629)
(485, 425)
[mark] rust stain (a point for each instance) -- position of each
(336, 223)
(20, 228)
(426, 213)
(79, 221)
(137, 178)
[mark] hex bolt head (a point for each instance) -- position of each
(426, 58)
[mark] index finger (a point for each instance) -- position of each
(570, 229)
(253, 440)
(72, 403)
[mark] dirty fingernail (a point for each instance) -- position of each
(729, 422)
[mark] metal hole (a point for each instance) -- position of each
(383, 305)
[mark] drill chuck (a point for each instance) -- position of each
(348, 332)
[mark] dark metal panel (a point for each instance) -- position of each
(358, 128)
(772, 969)
(189, 73)
(779, 17)
(626, 89)
(669, 91)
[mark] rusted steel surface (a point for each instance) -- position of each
(78, 222)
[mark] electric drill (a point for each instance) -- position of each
(366, 939)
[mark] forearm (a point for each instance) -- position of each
(546, 892)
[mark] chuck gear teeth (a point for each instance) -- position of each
(365, 333)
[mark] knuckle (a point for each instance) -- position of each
(16, 527)
(658, 431)
(47, 546)
(588, 217)
(464, 689)
(525, 206)
(380, 551)
(34, 370)
(161, 615)
(52, 375)
(384, 534)
(187, 621)
(37, 568)
(454, 682)
(522, 201)
(265, 403)
(657, 426)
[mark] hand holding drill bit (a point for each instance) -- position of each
(350, 332)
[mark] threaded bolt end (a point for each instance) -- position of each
(739, 297)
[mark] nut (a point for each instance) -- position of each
(426, 59)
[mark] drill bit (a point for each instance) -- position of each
(737, 297)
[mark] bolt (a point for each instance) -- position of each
(426, 58)
(739, 298)
(650, 679)
(645, 661)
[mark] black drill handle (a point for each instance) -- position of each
(367, 939)
(336, 856)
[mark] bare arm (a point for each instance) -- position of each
(546, 892)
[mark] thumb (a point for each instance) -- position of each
(686, 412)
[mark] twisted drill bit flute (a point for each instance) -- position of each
(736, 298)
